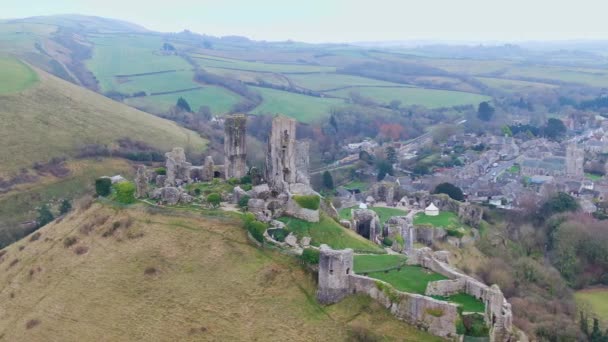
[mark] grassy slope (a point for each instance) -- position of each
(383, 213)
(430, 98)
(411, 279)
(56, 118)
(327, 231)
(211, 284)
(19, 204)
(301, 107)
(595, 301)
(15, 76)
(445, 219)
(367, 263)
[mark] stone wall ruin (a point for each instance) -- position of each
(235, 152)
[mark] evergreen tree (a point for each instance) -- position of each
(44, 215)
(328, 181)
(384, 168)
(333, 123)
(596, 334)
(183, 104)
(485, 111)
(451, 190)
(65, 207)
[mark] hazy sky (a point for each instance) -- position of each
(347, 20)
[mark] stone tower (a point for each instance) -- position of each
(281, 157)
(302, 162)
(235, 154)
(335, 268)
(575, 158)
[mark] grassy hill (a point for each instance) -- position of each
(131, 274)
(56, 118)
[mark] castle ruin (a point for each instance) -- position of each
(281, 158)
(235, 152)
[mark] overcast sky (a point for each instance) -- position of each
(347, 20)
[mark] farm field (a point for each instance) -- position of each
(368, 263)
(15, 75)
(128, 55)
(328, 232)
(219, 100)
(251, 76)
(429, 98)
(300, 107)
(445, 219)
(515, 86)
(595, 301)
(412, 279)
(590, 77)
(330, 81)
(155, 83)
(227, 63)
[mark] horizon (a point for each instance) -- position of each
(341, 21)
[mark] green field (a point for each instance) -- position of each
(383, 213)
(251, 76)
(15, 75)
(595, 302)
(130, 54)
(445, 219)
(369, 263)
(219, 100)
(326, 81)
(300, 107)
(593, 176)
(227, 63)
(590, 77)
(412, 279)
(357, 185)
(155, 83)
(429, 98)
(466, 301)
(329, 232)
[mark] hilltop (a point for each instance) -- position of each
(54, 118)
(142, 274)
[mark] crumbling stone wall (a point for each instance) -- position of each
(335, 266)
(468, 213)
(178, 169)
(383, 192)
(281, 157)
(366, 223)
(302, 162)
(293, 209)
(141, 182)
(235, 152)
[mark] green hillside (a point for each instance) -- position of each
(133, 275)
(56, 118)
(15, 76)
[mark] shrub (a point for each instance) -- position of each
(65, 207)
(257, 229)
(161, 171)
(460, 329)
(387, 241)
(233, 181)
(278, 234)
(80, 250)
(246, 187)
(475, 326)
(150, 271)
(246, 179)
(451, 190)
(31, 323)
(435, 312)
(44, 215)
(214, 199)
(243, 201)
(103, 186)
(455, 232)
(197, 192)
(125, 192)
(310, 256)
(311, 202)
(69, 241)
(35, 236)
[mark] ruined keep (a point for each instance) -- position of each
(281, 157)
(141, 182)
(178, 169)
(235, 152)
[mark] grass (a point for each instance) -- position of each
(383, 213)
(429, 98)
(357, 185)
(186, 277)
(515, 86)
(300, 107)
(594, 301)
(466, 301)
(155, 83)
(57, 118)
(130, 54)
(592, 176)
(515, 169)
(325, 81)
(328, 232)
(369, 263)
(445, 219)
(15, 76)
(412, 279)
(229, 63)
(219, 100)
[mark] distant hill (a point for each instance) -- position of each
(54, 118)
(85, 23)
(146, 275)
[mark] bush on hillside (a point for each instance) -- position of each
(125, 192)
(103, 186)
(214, 199)
(44, 215)
(311, 202)
(161, 171)
(310, 256)
(243, 201)
(254, 227)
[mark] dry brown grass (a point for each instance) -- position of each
(209, 283)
